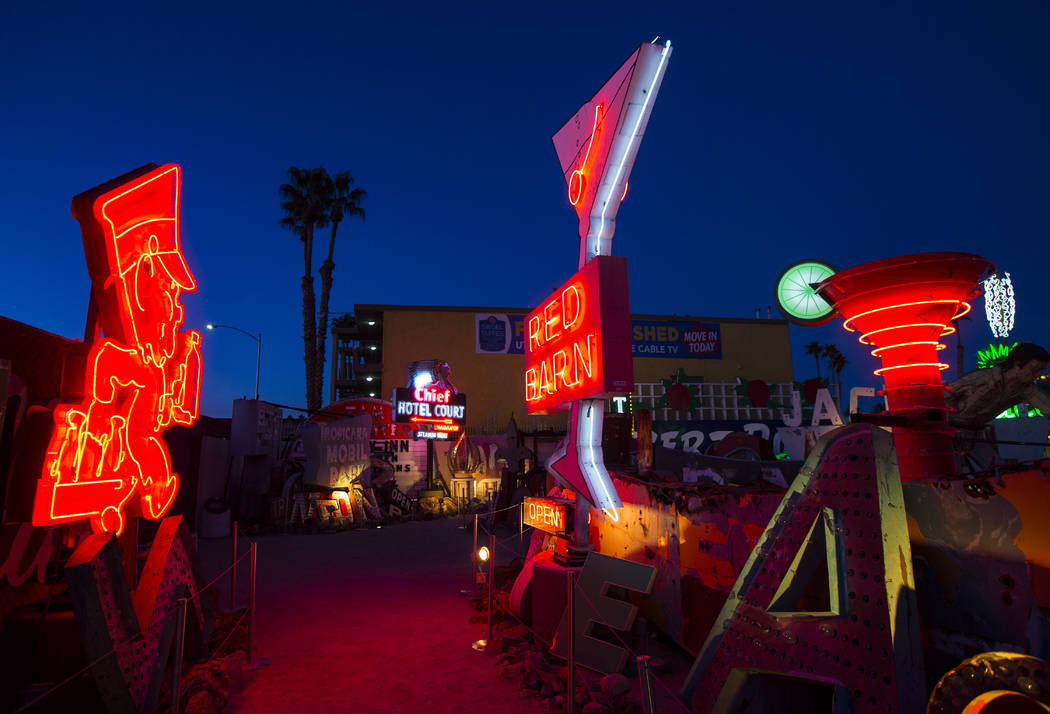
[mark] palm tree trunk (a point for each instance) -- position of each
(309, 326)
(322, 318)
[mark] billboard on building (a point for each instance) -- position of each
(499, 333)
(504, 334)
(676, 340)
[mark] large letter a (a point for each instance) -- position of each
(861, 638)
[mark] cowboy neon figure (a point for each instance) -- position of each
(143, 377)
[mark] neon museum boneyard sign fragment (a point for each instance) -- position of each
(106, 454)
(434, 412)
(578, 344)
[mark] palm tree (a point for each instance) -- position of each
(836, 363)
(343, 203)
(828, 352)
(814, 348)
(305, 200)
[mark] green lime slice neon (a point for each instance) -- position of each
(796, 298)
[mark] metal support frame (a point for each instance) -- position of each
(180, 643)
(491, 585)
(233, 569)
(251, 600)
(570, 644)
(646, 685)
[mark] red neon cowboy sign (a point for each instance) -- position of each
(143, 377)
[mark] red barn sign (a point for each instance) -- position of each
(578, 342)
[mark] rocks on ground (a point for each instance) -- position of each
(542, 676)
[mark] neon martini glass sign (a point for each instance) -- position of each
(578, 351)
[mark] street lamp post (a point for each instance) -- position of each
(258, 352)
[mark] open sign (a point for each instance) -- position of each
(549, 515)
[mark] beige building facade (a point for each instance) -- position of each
(484, 348)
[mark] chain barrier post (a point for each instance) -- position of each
(491, 584)
(648, 707)
(474, 558)
(251, 600)
(180, 643)
(570, 645)
(233, 571)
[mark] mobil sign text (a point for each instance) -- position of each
(578, 341)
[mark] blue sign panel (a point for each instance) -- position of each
(492, 334)
(499, 334)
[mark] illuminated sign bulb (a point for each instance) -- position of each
(999, 304)
(483, 553)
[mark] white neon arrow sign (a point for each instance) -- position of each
(580, 455)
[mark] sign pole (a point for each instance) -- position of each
(570, 644)
(474, 558)
(180, 641)
(561, 332)
(492, 588)
(233, 570)
(646, 685)
(430, 463)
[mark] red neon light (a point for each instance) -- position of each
(433, 395)
(936, 345)
(578, 179)
(908, 309)
(571, 334)
(902, 306)
(440, 424)
(911, 365)
(143, 377)
(963, 308)
(546, 514)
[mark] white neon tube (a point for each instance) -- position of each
(625, 150)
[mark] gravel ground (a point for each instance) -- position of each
(370, 620)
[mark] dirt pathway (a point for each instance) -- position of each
(366, 621)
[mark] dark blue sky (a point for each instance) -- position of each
(782, 131)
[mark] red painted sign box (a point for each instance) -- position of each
(578, 341)
(549, 515)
